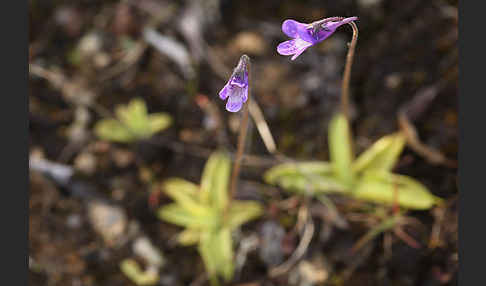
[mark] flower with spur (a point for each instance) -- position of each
(306, 35)
(236, 89)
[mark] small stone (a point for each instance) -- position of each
(249, 42)
(101, 60)
(108, 221)
(393, 81)
(144, 248)
(123, 158)
(271, 243)
(313, 273)
(74, 221)
(86, 163)
(90, 44)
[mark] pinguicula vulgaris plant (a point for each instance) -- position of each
(368, 177)
(208, 212)
(209, 215)
(132, 123)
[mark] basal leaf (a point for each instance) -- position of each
(216, 249)
(207, 176)
(189, 236)
(305, 177)
(175, 214)
(113, 130)
(224, 244)
(382, 155)
(241, 212)
(134, 116)
(210, 259)
(271, 176)
(185, 196)
(340, 148)
(386, 188)
(181, 185)
(133, 271)
(159, 122)
(215, 179)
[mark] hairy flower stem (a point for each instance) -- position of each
(241, 144)
(347, 72)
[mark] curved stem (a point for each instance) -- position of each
(347, 72)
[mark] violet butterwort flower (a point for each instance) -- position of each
(306, 35)
(236, 89)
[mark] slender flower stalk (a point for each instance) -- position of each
(236, 91)
(347, 71)
(306, 35)
(239, 152)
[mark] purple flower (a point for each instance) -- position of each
(306, 35)
(236, 89)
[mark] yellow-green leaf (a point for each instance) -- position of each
(181, 185)
(113, 130)
(241, 212)
(133, 271)
(340, 148)
(215, 179)
(189, 236)
(216, 249)
(159, 122)
(207, 176)
(224, 245)
(134, 116)
(382, 155)
(206, 250)
(175, 214)
(185, 196)
(305, 177)
(386, 188)
(318, 167)
(132, 123)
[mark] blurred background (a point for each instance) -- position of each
(91, 200)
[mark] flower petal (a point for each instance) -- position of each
(291, 47)
(290, 28)
(224, 93)
(298, 53)
(305, 34)
(244, 93)
(239, 79)
(234, 103)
